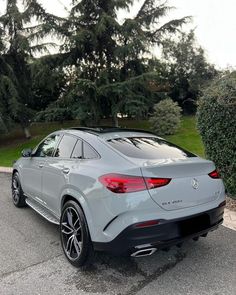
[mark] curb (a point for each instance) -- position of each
(6, 170)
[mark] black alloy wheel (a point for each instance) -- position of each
(17, 192)
(75, 238)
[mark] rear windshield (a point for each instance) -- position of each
(148, 148)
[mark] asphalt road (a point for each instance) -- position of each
(31, 262)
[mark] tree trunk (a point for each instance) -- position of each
(115, 120)
(27, 132)
(3, 128)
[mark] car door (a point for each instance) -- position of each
(32, 167)
(56, 172)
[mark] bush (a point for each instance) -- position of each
(216, 118)
(166, 118)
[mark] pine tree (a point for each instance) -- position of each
(108, 57)
(18, 51)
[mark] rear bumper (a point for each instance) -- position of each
(167, 233)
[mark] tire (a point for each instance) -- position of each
(75, 238)
(18, 197)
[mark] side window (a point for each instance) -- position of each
(77, 153)
(46, 148)
(89, 152)
(65, 147)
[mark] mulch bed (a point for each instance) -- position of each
(231, 204)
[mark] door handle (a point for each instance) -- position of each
(41, 165)
(65, 170)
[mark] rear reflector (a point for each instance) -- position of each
(121, 184)
(214, 174)
(222, 204)
(147, 223)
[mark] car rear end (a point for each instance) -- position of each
(171, 196)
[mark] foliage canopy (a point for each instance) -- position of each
(109, 58)
(16, 53)
(105, 65)
(187, 69)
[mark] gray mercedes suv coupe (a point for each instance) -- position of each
(123, 191)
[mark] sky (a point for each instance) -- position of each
(214, 22)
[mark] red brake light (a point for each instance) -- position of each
(121, 184)
(156, 182)
(214, 174)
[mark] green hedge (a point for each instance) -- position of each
(216, 119)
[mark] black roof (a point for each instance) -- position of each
(108, 129)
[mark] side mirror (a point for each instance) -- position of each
(26, 153)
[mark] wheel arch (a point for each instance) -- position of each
(14, 171)
(17, 170)
(68, 196)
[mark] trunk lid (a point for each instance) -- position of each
(190, 183)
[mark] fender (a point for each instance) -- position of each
(83, 203)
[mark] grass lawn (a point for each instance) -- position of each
(12, 144)
(188, 137)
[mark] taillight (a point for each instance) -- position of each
(156, 182)
(214, 174)
(121, 184)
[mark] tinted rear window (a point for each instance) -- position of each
(148, 148)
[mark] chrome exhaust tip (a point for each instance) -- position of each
(144, 252)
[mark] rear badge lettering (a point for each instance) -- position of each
(172, 202)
